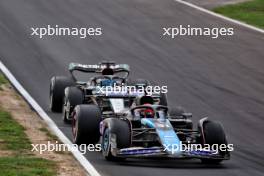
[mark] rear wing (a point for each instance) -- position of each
(98, 68)
(83, 68)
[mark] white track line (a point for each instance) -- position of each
(220, 16)
(83, 161)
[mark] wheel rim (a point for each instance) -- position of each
(51, 93)
(105, 140)
(74, 126)
(65, 110)
(51, 100)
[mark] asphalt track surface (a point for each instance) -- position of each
(219, 78)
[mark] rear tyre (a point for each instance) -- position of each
(122, 132)
(57, 86)
(73, 97)
(85, 124)
(214, 134)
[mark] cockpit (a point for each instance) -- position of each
(150, 111)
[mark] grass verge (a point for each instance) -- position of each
(2, 79)
(12, 134)
(21, 161)
(13, 138)
(26, 166)
(251, 12)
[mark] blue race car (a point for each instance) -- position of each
(148, 130)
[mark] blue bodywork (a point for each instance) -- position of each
(166, 134)
(170, 143)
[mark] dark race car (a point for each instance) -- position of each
(67, 92)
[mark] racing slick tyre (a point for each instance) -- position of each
(73, 97)
(85, 124)
(214, 134)
(57, 86)
(122, 132)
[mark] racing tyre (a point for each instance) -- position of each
(57, 86)
(73, 97)
(122, 132)
(85, 124)
(214, 134)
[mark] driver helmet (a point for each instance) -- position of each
(107, 71)
(148, 112)
(107, 82)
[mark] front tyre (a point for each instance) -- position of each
(57, 86)
(106, 145)
(73, 97)
(214, 134)
(120, 129)
(85, 124)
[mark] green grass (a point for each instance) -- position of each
(26, 166)
(2, 80)
(22, 162)
(12, 134)
(251, 12)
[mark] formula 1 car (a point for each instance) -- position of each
(67, 92)
(148, 130)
